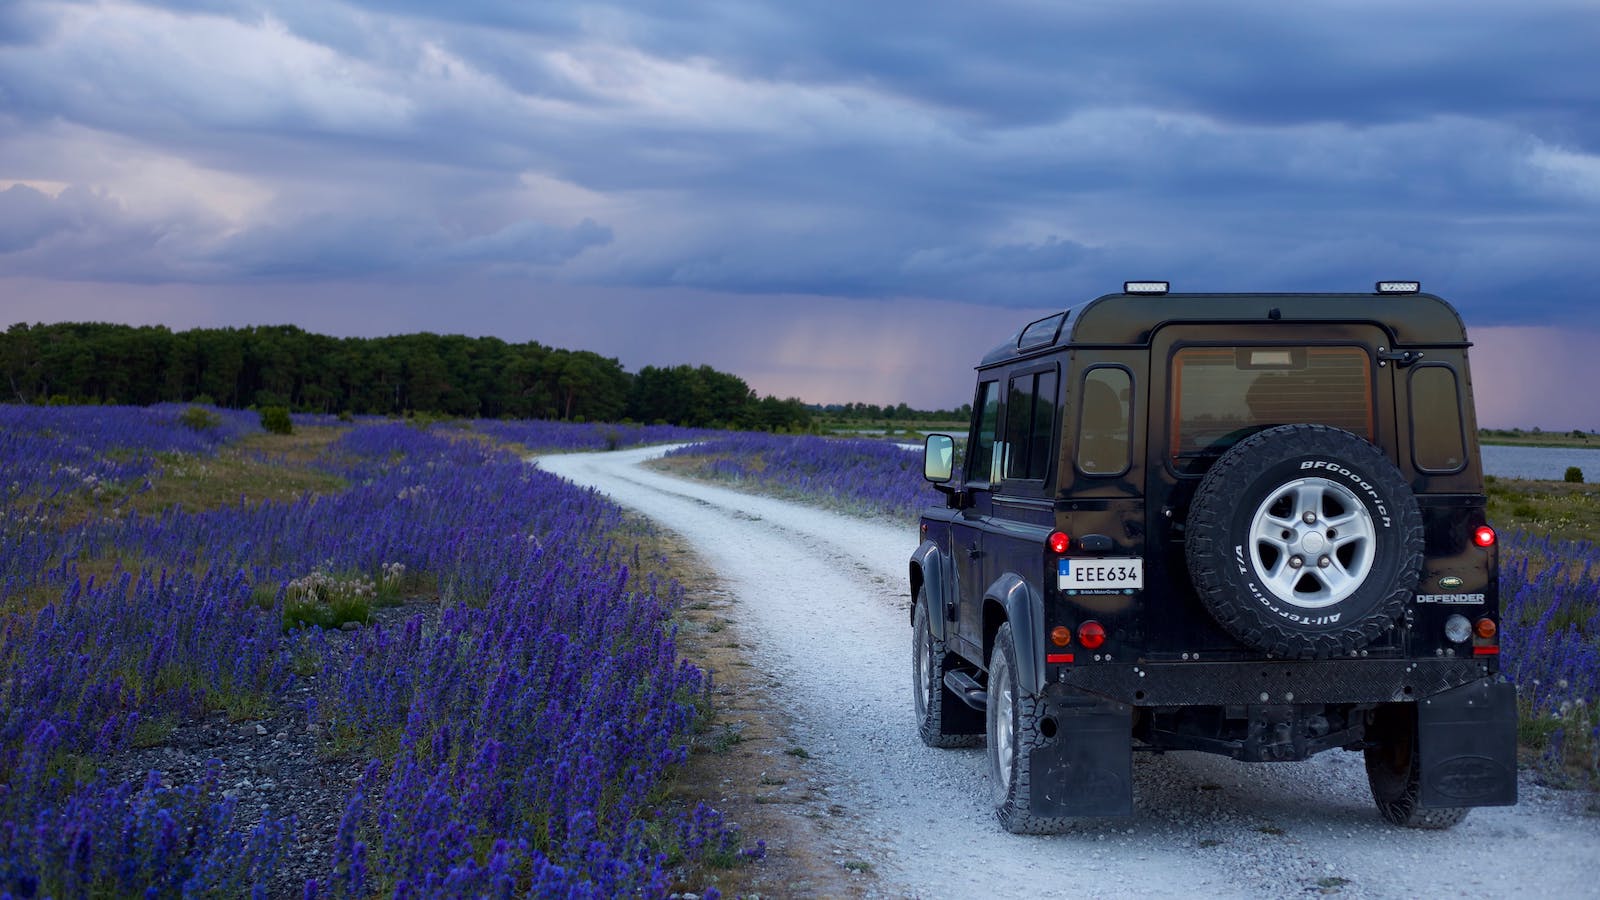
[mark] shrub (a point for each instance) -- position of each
(198, 418)
(276, 420)
(1574, 475)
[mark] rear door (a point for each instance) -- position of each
(1214, 385)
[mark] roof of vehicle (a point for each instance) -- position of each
(1130, 319)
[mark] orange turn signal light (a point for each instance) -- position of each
(1061, 635)
(1485, 628)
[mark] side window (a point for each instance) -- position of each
(1437, 441)
(1104, 426)
(1030, 416)
(980, 455)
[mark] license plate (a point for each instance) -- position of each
(1100, 574)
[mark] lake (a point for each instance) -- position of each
(1549, 463)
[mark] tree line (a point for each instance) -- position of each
(871, 412)
(453, 375)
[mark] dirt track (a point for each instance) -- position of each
(822, 606)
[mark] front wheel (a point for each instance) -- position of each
(1015, 728)
(1394, 772)
(937, 707)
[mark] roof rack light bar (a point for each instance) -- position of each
(1144, 287)
(1399, 287)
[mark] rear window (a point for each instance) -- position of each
(1224, 394)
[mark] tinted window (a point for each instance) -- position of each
(1224, 394)
(1437, 441)
(1103, 429)
(1030, 414)
(981, 456)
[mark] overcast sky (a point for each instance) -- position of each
(843, 201)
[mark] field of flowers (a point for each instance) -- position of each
(519, 727)
(1550, 589)
(862, 476)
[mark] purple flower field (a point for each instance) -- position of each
(1550, 590)
(520, 729)
(49, 451)
(1550, 593)
(863, 476)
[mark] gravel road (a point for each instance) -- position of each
(823, 608)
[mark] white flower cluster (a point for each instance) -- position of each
(392, 573)
(320, 587)
(410, 492)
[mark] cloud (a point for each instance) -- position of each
(329, 245)
(1019, 154)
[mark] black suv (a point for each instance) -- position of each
(1247, 524)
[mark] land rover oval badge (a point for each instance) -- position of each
(1450, 582)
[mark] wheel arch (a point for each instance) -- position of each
(927, 570)
(1010, 599)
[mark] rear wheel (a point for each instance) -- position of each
(1015, 728)
(1394, 772)
(935, 703)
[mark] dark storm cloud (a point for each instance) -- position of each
(1013, 153)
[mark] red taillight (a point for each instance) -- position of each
(1091, 634)
(1484, 536)
(1059, 542)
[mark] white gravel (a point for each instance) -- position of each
(822, 607)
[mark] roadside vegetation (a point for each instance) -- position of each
(1534, 437)
(471, 658)
(856, 476)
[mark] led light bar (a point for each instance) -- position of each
(1144, 287)
(1399, 287)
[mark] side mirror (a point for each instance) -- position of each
(938, 458)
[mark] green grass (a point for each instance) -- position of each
(1562, 510)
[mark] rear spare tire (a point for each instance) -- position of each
(1304, 541)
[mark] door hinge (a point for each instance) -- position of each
(1401, 358)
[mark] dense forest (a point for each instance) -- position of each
(451, 375)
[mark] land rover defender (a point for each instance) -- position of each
(1245, 524)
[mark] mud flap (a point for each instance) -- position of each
(1467, 738)
(1087, 768)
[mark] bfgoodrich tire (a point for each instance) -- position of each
(1014, 730)
(940, 713)
(1304, 541)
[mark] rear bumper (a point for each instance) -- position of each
(1273, 681)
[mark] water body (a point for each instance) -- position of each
(1548, 463)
